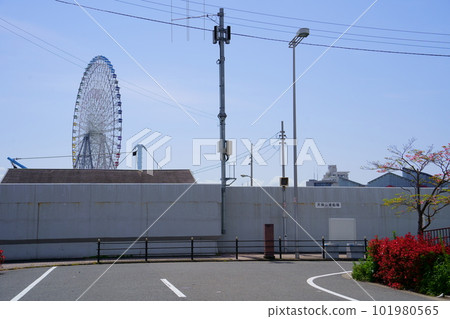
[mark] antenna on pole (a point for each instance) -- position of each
(171, 19)
(187, 20)
(204, 20)
(188, 17)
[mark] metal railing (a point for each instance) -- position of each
(438, 235)
(198, 248)
(203, 247)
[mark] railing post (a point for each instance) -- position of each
(279, 247)
(237, 248)
(192, 248)
(98, 250)
(323, 247)
(365, 245)
(146, 249)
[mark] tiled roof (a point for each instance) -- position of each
(97, 176)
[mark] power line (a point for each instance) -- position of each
(382, 37)
(294, 28)
(358, 40)
(347, 48)
(42, 40)
(384, 42)
(197, 111)
(41, 157)
(353, 34)
(132, 16)
(325, 22)
(259, 37)
(192, 109)
(40, 46)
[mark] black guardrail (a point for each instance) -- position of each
(207, 246)
(198, 248)
(438, 235)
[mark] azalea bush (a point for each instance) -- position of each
(407, 262)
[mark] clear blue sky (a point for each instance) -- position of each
(352, 103)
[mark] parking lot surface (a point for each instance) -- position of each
(196, 281)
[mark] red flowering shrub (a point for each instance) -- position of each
(2, 258)
(402, 262)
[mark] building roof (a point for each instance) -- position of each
(97, 176)
(390, 180)
(341, 182)
(425, 179)
(349, 183)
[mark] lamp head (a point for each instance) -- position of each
(303, 32)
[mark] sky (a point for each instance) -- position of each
(371, 74)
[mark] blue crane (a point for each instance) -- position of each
(15, 163)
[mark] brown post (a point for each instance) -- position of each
(269, 251)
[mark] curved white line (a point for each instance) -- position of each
(310, 282)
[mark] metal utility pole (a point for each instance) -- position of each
(222, 35)
(282, 137)
(283, 174)
(301, 34)
(295, 154)
(251, 164)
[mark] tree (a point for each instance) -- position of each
(412, 162)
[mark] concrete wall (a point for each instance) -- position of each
(74, 211)
(248, 209)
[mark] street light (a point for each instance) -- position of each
(301, 34)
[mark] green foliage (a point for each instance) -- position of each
(364, 269)
(436, 279)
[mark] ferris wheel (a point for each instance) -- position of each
(97, 119)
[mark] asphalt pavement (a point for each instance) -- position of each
(279, 280)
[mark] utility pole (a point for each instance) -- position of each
(222, 35)
(301, 34)
(251, 164)
(283, 174)
(282, 137)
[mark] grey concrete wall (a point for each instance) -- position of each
(249, 208)
(71, 211)
(61, 211)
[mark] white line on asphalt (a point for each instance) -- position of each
(173, 288)
(310, 282)
(26, 290)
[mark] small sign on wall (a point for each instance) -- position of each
(328, 205)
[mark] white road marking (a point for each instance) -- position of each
(26, 290)
(310, 282)
(173, 288)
